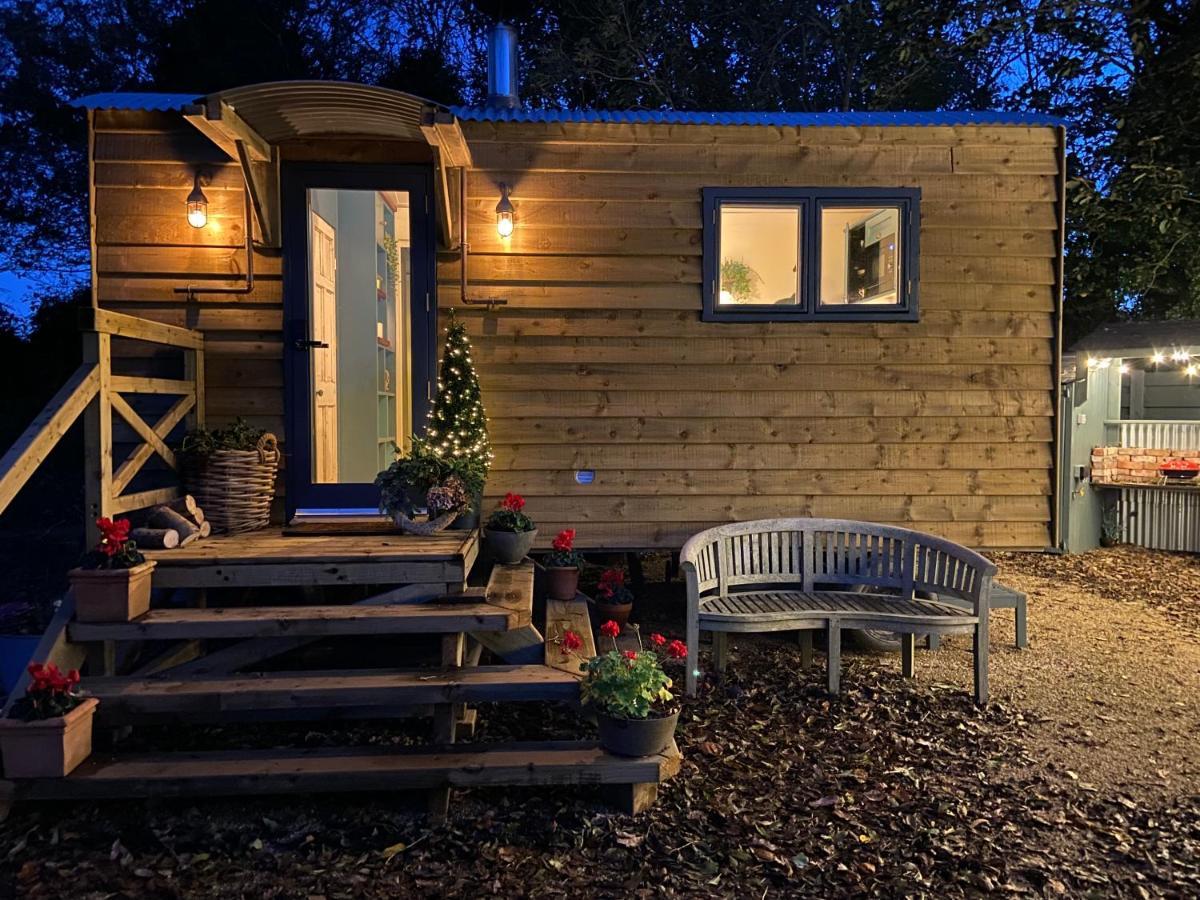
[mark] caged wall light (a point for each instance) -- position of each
(197, 203)
(504, 213)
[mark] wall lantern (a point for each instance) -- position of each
(504, 213)
(197, 204)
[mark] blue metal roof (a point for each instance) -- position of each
(779, 119)
(160, 102)
(137, 100)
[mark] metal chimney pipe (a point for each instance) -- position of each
(502, 67)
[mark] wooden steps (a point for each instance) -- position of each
(124, 699)
(353, 769)
(305, 621)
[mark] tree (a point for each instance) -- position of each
(457, 425)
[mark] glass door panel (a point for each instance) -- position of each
(360, 331)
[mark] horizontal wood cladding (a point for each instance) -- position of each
(599, 359)
(673, 535)
(513, 268)
(757, 429)
(779, 483)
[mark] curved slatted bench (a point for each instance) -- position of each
(808, 574)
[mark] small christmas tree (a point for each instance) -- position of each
(457, 426)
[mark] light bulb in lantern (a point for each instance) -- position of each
(197, 204)
(1158, 359)
(504, 213)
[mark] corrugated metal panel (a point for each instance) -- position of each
(292, 109)
(1155, 434)
(1161, 518)
(782, 119)
(147, 102)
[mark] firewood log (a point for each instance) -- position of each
(205, 529)
(165, 517)
(155, 538)
(188, 507)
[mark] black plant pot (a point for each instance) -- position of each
(636, 737)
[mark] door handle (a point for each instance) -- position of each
(303, 344)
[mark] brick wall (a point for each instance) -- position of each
(1133, 465)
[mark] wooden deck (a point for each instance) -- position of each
(270, 558)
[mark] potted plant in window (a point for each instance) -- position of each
(562, 567)
(509, 533)
(613, 601)
(630, 694)
(48, 731)
(113, 582)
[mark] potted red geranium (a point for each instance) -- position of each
(562, 566)
(630, 694)
(113, 582)
(49, 730)
(509, 533)
(613, 601)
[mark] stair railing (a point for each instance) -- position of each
(96, 393)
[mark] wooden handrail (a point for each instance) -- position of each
(106, 321)
(44, 432)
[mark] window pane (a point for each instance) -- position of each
(860, 252)
(758, 255)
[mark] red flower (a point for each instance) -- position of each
(631, 654)
(113, 535)
(657, 639)
(677, 649)
(513, 502)
(565, 540)
(612, 578)
(571, 641)
(610, 629)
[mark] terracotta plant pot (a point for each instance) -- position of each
(112, 595)
(47, 748)
(636, 737)
(509, 547)
(562, 582)
(616, 612)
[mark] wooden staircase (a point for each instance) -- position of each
(498, 617)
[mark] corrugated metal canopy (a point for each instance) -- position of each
(777, 119)
(296, 109)
(282, 110)
(1135, 337)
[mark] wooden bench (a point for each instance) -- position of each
(809, 574)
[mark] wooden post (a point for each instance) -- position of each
(445, 723)
(98, 499)
(631, 799)
(908, 652)
(806, 648)
(720, 647)
(193, 371)
(833, 635)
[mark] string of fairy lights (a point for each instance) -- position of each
(457, 423)
(1183, 358)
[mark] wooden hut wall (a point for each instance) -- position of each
(599, 360)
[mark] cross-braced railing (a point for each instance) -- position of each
(96, 393)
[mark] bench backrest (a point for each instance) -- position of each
(822, 552)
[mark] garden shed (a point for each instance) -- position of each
(680, 319)
(1132, 415)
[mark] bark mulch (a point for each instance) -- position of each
(893, 789)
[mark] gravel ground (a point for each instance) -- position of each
(1077, 780)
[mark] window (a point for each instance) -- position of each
(810, 253)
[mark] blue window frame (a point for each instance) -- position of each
(810, 254)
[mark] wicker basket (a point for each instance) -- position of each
(235, 487)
